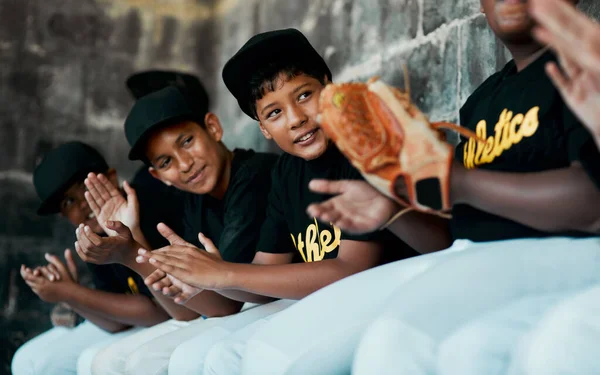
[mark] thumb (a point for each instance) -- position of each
(119, 227)
(327, 186)
(71, 265)
(208, 245)
(171, 236)
(132, 198)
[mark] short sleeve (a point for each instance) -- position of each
(274, 232)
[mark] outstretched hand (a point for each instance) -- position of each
(357, 207)
(108, 204)
(187, 263)
(576, 40)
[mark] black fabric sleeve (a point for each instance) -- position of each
(274, 233)
(244, 214)
(115, 278)
(581, 146)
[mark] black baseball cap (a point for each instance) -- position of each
(61, 168)
(163, 107)
(260, 50)
(143, 83)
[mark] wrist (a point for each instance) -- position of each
(229, 280)
(127, 257)
(69, 292)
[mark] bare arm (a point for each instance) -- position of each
(207, 270)
(114, 311)
(552, 201)
(423, 232)
(264, 259)
(357, 207)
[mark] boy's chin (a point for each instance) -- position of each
(314, 150)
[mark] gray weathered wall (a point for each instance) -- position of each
(63, 64)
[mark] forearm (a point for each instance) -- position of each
(121, 308)
(176, 311)
(242, 296)
(109, 325)
(552, 201)
(423, 232)
(211, 304)
(289, 281)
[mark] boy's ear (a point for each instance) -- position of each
(154, 174)
(111, 174)
(213, 126)
(264, 131)
(326, 80)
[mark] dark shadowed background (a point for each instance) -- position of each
(63, 64)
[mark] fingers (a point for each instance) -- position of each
(143, 256)
(558, 78)
(54, 271)
(171, 236)
(99, 187)
(108, 186)
(80, 252)
(131, 194)
(208, 244)
(155, 277)
(327, 186)
(71, 265)
(47, 274)
(121, 229)
(92, 184)
(319, 209)
(168, 264)
(92, 203)
(171, 291)
(85, 245)
(56, 263)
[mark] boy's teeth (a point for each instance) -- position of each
(306, 137)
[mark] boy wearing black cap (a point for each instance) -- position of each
(276, 78)
(120, 301)
(180, 141)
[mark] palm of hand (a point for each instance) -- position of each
(365, 208)
(117, 209)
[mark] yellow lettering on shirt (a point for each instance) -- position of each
(508, 131)
(132, 286)
(317, 242)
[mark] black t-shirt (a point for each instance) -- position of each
(288, 228)
(116, 278)
(529, 129)
(158, 203)
(233, 223)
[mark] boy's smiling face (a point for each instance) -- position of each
(288, 116)
(187, 156)
(509, 19)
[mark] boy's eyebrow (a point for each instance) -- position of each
(156, 159)
(293, 92)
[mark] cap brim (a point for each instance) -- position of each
(136, 152)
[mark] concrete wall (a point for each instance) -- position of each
(63, 64)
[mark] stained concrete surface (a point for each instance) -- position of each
(63, 64)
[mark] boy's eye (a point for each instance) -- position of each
(164, 163)
(304, 95)
(67, 202)
(187, 141)
(274, 113)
